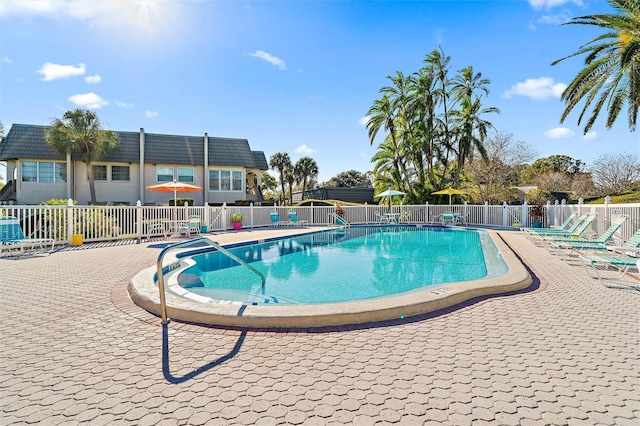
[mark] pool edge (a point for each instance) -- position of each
(144, 293)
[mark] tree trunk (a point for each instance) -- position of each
(92, 183)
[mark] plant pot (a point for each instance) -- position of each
(76, 240)
(536, 224)
(237, 226)
(204, 229)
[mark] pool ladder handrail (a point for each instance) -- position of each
(336, 217)
(172, 247)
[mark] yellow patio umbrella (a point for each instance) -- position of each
(450, 192)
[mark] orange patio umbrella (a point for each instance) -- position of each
(174, 187)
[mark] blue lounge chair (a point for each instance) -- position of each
(580, 243)
(294, 220)
(577, 233)
(13, 240)
(623, 264)
(558, 231)
(275, 219)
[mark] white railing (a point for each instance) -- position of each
(101, 223)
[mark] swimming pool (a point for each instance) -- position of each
(210, 306)
(341, 265)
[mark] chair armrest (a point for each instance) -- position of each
(624, 248)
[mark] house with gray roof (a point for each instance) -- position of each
(226, 169)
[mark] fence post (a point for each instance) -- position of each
(485, 219)
(504, 214)
(139, 220)
(70, 221)
(224, 215)
(251, 214)
(206, 215)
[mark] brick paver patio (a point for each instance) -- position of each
(565, 352)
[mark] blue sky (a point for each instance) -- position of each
(291, 76)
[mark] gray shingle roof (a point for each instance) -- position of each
(27, 141)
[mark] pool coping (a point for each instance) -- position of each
(144, 293)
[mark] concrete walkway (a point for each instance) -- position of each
(73, 350)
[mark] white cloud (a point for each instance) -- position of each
(151, 16)
(273, 60)
(305, 150)
(6, 60)
(559, 133)
(592, 135)
(88, 100)
(52, 71)
(364, 120)
(92, 79)
(557, 19)
(123, 104)
(548, 4)
(536, 88)
(151, 114)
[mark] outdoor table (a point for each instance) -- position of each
(392, 217)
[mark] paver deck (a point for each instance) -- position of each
(74, 350)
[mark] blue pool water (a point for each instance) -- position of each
(343, 265)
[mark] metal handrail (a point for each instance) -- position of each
(337, 217)
(163, 303)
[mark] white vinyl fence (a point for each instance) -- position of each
(101, 223)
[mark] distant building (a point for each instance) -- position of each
(227, 169)
(353, 195)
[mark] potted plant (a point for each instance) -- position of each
(536, 200)
(236, 219)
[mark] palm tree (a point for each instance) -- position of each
(306, 168)
(472, 129)
(289, 175)
(81, 130)
(280, 161)
(612, 72)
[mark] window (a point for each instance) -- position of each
(214, 180)
(164, 174)
(236, 183)
(44, 171)
(120, 173)
(225, 180)
(29, 171)
(60, 172)
(185, 174)
(99, 172)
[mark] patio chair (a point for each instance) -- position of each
(581, 243)
(275, 219)
(405, 216)
(12, 239)
(382, 219)
(294, 220)
(623, 264)
(558, 231)
(190, 226)
(577, 232)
